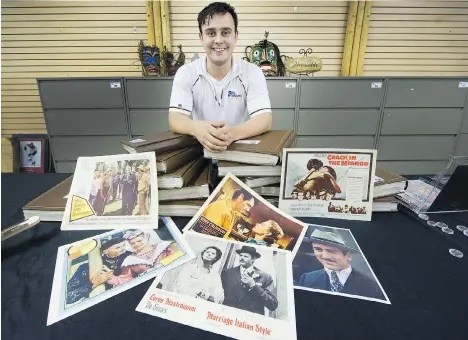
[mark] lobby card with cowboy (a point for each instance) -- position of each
(237, 212)
(231, 288)
(112, 192)
(331, 183)
(330, 261)
(92, 270)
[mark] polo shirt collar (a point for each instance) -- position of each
(236, 69)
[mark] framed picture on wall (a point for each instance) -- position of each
(31, 152)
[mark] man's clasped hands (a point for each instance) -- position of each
(214, 136)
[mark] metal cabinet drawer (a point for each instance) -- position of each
(421, 121)
(75, 93)
(86, 122)
(65, 167)
(148, 121)
(338, 122)
(341, 93)
(282, 93)
(149, 93)
(70, 148)
(415, 147)
(413, 167)
(348, 142)
(283, 120)
(430, 92)
(465, 124)
(462, 146)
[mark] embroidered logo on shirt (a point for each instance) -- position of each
(233, 94)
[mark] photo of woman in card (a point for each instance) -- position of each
(148, 251)
(199, 280)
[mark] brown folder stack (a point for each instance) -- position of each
(386, 185)
(264, 149)
(50, 205)
(171, 161)
(256, 161)
(186, 175)
(160, 142)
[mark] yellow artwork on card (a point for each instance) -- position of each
(81, 248)
(172, 257)
(80, 208)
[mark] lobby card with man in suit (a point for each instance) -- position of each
(231, 288)
(331, 183)
(112, 192)
(330, 261)
(94, 269)
(235, 211)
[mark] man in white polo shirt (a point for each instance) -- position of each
(219, 98)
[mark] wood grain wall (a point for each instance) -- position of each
(417, 38)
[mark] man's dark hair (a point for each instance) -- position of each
(209, 11)
(247, 195)
(314, 163)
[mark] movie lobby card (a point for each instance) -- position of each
(231, 288)
(332, 183)
(235, 211)
(112, 192)
(330, 261)
(92, 270)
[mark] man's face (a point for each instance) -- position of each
(218, 38)
(246, 206)
(300, 196)
(116, 249)
(246, 260)
(331, 257)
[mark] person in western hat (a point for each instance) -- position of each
(247, 287)
(337, 274)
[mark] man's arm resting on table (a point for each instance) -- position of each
(180, 123)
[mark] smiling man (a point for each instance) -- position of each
(219, 98)
(337, 274)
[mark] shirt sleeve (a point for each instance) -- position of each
(181, 95)
(258, 99)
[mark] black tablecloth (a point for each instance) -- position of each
(427, 287)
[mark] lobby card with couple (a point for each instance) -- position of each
(92, 270)
(231, 288)
(331, 183)
(236, 212)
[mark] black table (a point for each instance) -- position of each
(427, 287)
